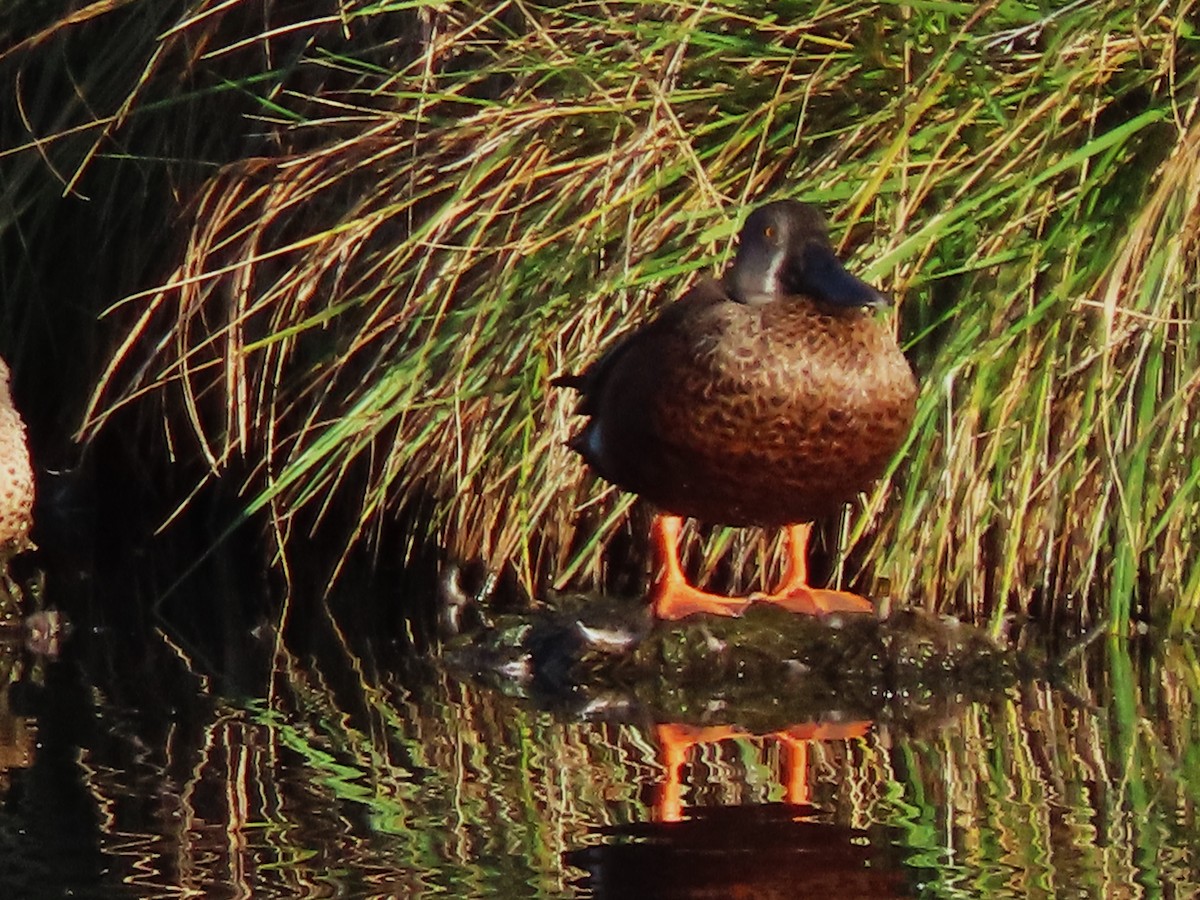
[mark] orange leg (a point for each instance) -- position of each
(671, 596)
(795, 594)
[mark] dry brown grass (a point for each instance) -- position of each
(369, 315)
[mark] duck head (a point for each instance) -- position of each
(783, 251)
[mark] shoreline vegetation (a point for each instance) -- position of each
(338, 251)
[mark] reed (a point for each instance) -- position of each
(434, 210)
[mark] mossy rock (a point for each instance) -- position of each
(766, 669)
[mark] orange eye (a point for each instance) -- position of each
(769, 231)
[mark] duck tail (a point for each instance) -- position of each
(569, 380)
(587, 443)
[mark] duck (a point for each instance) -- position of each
(768, 397)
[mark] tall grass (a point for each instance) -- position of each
(426, 228)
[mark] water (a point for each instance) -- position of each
(158, 758)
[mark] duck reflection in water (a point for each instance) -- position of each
(760, 850)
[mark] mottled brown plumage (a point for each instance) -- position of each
(751, 415)
(770, 397)
(16, 479)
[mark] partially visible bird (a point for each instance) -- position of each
(16, 477)
(770, 397)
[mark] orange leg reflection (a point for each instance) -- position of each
(675, 740)
(796, 740)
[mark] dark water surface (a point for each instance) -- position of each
(182, 755)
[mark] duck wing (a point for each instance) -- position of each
(592, 382)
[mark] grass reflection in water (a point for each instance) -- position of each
(365, 783)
